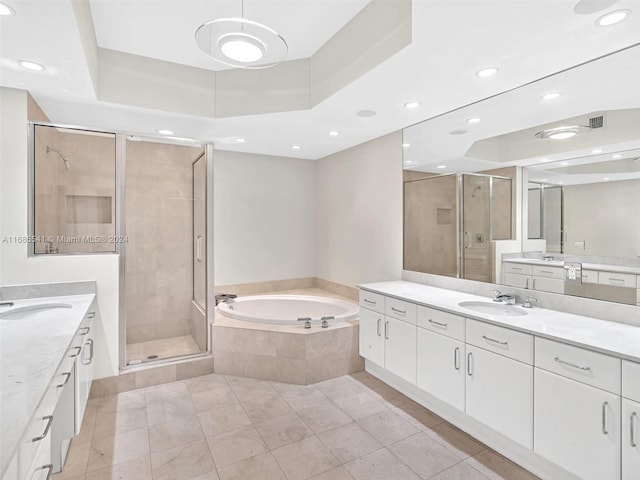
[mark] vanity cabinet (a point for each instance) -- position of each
(534, 277)
(630, 420)
(371, 341)
(84, 367)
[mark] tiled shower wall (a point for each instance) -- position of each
(159, 226)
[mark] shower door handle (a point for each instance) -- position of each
(199, 248)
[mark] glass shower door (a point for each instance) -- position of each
(476, 227)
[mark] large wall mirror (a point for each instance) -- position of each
(537, 188)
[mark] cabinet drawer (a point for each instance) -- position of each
(631, 380)
(552, 285)
(593, 368)
(515, 280)
(372, 301)
(38, 432)
(441, 322)
(507, 342)
(401, 310)
(589, 276)
(517, 268)
(617, 279)
(548, 272)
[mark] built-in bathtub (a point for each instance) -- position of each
(259, 336)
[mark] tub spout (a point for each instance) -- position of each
(225, 297)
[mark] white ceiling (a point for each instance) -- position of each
(452, 39)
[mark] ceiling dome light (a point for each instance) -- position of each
(366, 113)
(334, 133)
(487, 72)
(164, 131)
(6, 10)
(29, 65)
(411, 105)
(612, 18)
(241, 48)
(473, 120)
(551, 96)
(562, 133)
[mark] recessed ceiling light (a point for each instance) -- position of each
(412, 104)
(562, 133)
(560, 183)
(617, 155)
(473, 120)
(164, 131)
(612, 18)
(406, 145)
(596, 150)
(295, 147)
(409, 162)
(551, 96)
(564, 163)
(29, 65)
(605, 179)
(542, 160)
(366, 113)
(6, 10)
(241, 140)
(334, 133)
(440, 167)
(487, 72)
(457, 132)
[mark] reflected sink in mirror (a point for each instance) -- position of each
(492, 308)
(32, 311)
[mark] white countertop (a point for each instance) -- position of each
(613, 338)
(585, 266)
(30, 353)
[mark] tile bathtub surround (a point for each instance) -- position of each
(40, 290)
(280, 286)
(169, 432)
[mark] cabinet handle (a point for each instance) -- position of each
(619, 280)
(91, 314)
(456, 358)
(370, 302)
(546, 272)
(563, 362)
(84, 360)
(489, 339)
(67, 376)
(378, 326)
(77, 353)
(469, 364)
(604, 418)
(86, 331)
(527, 285)
(516, 268)
(433, 322)
(632, 428)
(401, 312)
(48, 467)
(49, 419)
(199, 248)
(533, 284)
(386, 330)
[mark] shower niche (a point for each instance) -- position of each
(452, 221)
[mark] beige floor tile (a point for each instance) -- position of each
(461, 471)
(304, 459)
(339, 473)
(76, 462)
(212, 475)
(183, 462)
(235, 445)
(266, 407)
(324, 417)
(214, 398)
(456, 440)
(250, 389)
(223, 419)
(388, 427)
(169, 410)
(419, 416)
(279, 431)
(163, 392)
(340, 387)
(118, 449)
(262, 467)
(360, 405)
(496, 467)
(122, 401)
(387, 394)
(424, 455)
(380, 465)
(109, 424)
(175, 433)
(206, 383)
(138, 469)
(301, 396)
(88, 423)
(349, 442)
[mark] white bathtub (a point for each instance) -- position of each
(286, 309)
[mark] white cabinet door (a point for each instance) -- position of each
(371, 338)
(514, 280)
(84, 369)
(552, 285)
(577, 426)
(499, 393)
(630, 440)
(440, 367)
(400, 348)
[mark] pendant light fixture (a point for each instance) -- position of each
(241, 43)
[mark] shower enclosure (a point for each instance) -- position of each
(450, 222)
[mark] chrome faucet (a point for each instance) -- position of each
(506, 298)
(225, 297)
(6, 304)
(325, 321)
(306, 320)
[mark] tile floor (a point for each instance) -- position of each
(218, 427)
(163, 348)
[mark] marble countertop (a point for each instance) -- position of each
(612, 338)
(585, 266)
(31, 350)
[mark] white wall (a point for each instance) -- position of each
(264, 218)
(359, 221)
(16, 267)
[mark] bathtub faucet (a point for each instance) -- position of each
(225, 297)
(306, 320)
(325, 321)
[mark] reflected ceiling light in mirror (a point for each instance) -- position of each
(612, 18)
(33, 66)
(457, 132)
(241, 140)
(440, 167)
(596, 151)
(6, 10)
(406, 145)
(411, 105)
(605, 179)
(544, 160)
(164, 131)
(366, 113)
(334, 133)
(562, 133)
(551, 96)
(487, 72)
(564, 163)
(585, 7)
(295, 147)
(616, 156)
(473, 120)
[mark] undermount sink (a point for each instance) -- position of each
(493, 308)
(32, 311)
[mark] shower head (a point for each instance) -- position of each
(65, 160)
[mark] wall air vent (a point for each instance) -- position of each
(596, 122)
